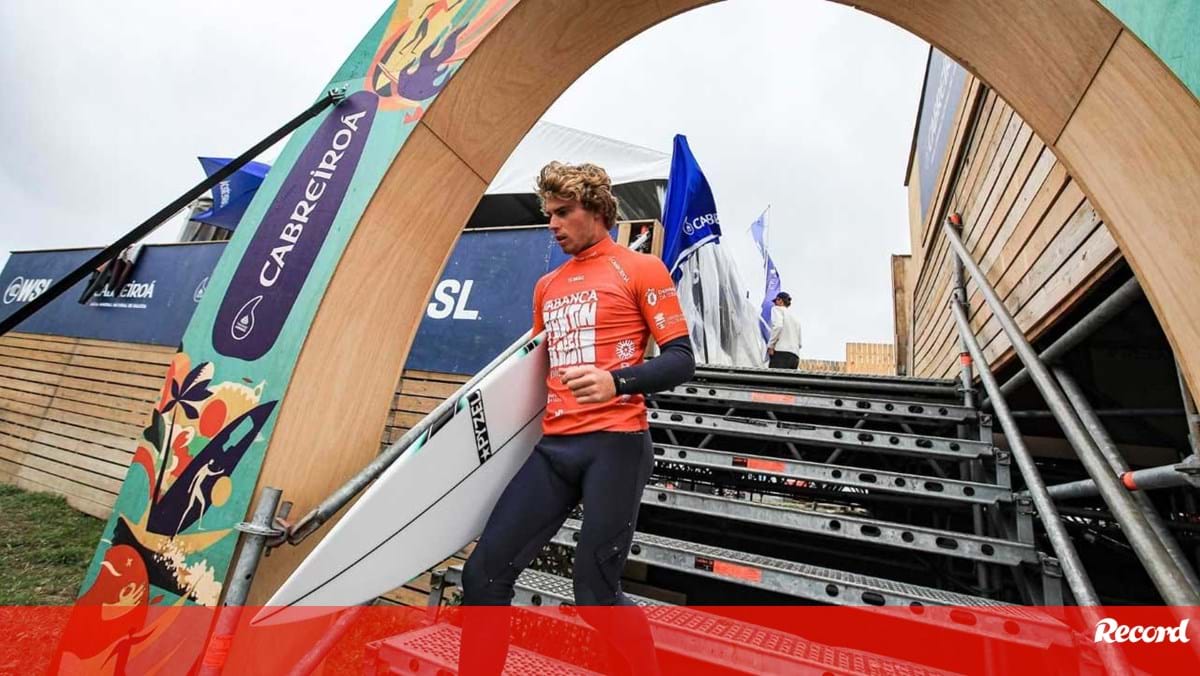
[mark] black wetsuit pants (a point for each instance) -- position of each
(607, 472)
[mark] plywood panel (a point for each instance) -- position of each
(1040, 55)
(1137, 134)
(367, 335)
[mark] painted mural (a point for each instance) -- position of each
(170, 540)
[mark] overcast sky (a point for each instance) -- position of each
(804, 105)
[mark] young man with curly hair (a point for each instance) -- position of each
(599, 310)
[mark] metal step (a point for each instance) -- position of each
(915, 485)
(718, 640)
(848, 527)
(783, 400)
(822, 435)
(826, 585)
(433, 651)
(947, 389)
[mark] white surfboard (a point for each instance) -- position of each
(431, 501)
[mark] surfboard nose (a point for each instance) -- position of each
(278, 612)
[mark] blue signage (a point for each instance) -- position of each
(484, 300)
(944, 81)
(152, 306)
(276, 264)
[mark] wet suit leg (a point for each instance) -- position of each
(529, 512)
(612, 492)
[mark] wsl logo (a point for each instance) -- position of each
(21, 290)
(483, 443)
(278, 260)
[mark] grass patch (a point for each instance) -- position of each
(45, 548)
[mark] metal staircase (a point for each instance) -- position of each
(800, 488)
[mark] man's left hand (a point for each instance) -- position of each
(589, 384)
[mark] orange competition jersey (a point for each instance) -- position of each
(600, 308)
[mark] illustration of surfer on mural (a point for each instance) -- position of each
(171, 538)
(423, 44)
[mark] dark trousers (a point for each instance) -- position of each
(607, 472)
(784, 360)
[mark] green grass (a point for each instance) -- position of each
(45, 548)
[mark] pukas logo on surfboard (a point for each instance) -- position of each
(285, 246)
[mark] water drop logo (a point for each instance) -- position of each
(243, 322)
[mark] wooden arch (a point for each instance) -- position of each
(1126, 128)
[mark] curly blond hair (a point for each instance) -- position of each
(587, 183)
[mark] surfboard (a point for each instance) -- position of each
(433, 500)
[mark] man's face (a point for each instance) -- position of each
(779, 302)
(574, 227)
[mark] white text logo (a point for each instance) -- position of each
(1109, 630)
(21, 290)
(445, 304)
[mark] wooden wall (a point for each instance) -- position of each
(70, 410)
(1025, 220)
(418, 393)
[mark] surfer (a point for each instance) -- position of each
(599, 310)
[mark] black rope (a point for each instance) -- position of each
(149, 225)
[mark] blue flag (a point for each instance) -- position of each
(758, 230)
(231, 196)
(689, 212)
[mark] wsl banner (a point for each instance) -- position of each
(944, 80)
(172, 534)
(484, 300)
(151, 304)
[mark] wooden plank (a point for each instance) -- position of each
(34, 479)
(1017, 178)
(432, 375)
(75, 475)
(123, 408)
(1091, 262)
(428, 389)
(83, 421)
(66, 438)
(90, 437)
(85, 375)
(413, 404)
(1057, 216)
(939, 278)
(901, 312)
(85, 463)
(1056, 268)
(78, 384)
(983, 143)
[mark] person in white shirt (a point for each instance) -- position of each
(784, 345)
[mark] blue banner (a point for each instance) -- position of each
(758, 230)
(944, 81)
(689, 211)
(153, 306)
(484, 300)
(231, 196)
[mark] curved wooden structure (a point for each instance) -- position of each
(1126, 128)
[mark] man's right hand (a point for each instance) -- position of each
(770, 352)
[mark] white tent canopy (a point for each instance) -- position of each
(639, 175)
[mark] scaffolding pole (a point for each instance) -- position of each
(1100, 315)
(1171, 583)
(1060, 542)
(1120, 468)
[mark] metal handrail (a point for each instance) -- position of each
(1171, 582)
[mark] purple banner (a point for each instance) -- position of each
(277, 261)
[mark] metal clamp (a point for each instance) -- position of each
(337, 94)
